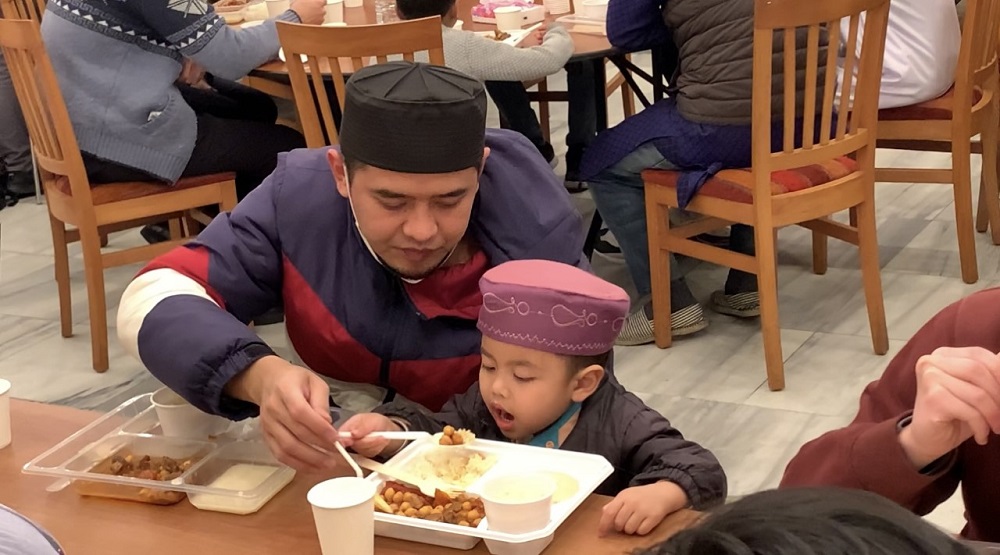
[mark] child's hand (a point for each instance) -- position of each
(640, 509)
(360, 425)
(534, 38)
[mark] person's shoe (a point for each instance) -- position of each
(574, 156)
(549, 154)
(573, 183)
(638, 328)
(21, 184)
(741, 305)
(155, 233)
(6, 199)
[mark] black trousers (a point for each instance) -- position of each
(236, 133)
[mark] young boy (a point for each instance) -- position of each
(548, 331)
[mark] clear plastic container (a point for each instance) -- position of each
(97, 461)
(83, 460)
(247, 471)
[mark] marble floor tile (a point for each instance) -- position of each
(910, 301)
(826, 375)
(753, 444)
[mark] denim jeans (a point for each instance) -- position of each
(620, 198)
(512, 101)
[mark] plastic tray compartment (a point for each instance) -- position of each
(91, 468)
(588, 470)
(239, 478)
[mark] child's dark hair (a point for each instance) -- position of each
(812, 521)
(416, 9)
(577, 363)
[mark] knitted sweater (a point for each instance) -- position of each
(489, 60)
(117, 62)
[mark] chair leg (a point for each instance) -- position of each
(767, 287)
(820, 255)
(871, 275)
(543, 112)
(658, 225)
(61, 256)
(176, 229)
(628, 100)
(989, 192)
(962, 174)
(94, 271)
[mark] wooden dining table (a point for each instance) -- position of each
(96, 526)
(595, 49)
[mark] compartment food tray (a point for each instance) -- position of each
(588, 470)
(133, 427)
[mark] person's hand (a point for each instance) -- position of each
(534, 38)
(958, 398)
(640, 509)
(294, 413)
(192, 73)
(360, 425)
(310, 12)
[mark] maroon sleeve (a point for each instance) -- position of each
(866, 454)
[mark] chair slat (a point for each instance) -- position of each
(830, 80)
(811, 82)
(847, 90)
(789, 88)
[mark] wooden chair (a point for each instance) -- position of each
(70, 199)
(23, 9)
(968, 109)
(335, 51)
(798, 185)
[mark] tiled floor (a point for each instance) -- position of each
(712, 386)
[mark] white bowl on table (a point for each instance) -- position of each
(518, 503)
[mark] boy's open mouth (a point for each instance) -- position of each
(504, 419)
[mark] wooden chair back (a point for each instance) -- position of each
(45, 114)
(23, 9)
(313, 52)
(977, 57)
(851, 127)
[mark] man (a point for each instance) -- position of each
(930, 422)
(505, 69)
(702, 127)
(921, 51)
(376, 251)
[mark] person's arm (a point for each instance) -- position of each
(185, 315)
(490, 60)
(202, 35)
(458, 412)
(654, 451)
(867, 454)
(636, 25)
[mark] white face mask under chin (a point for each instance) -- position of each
(371, 251)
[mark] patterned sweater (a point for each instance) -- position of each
(123, 102)
(489, 60)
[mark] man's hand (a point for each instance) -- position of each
(310, 12)
(958, 397)
(360, 425)
(294, 412)
(640, 509)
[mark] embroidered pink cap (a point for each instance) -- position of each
(552, 307)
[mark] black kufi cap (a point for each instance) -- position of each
(414, 118)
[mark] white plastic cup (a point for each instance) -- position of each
(556, 7)
(178, 418)
(518, 503)
(509, 18)
(276, 7)
(344, 512)
(354, 3)
(4, 413)
(594, 9)
(334, 11)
